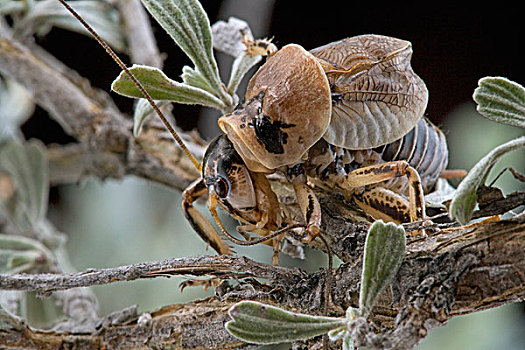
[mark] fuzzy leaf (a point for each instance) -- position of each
(22, 255)
(187, 23)
(465, 199)
(26, 164)
(501, 100)
(16, 106)
(192, 77)
(241, 66)
(160, 87)
(104, 18)
(344, 335)
(10, 6)
(258, 323)
(142, 110)
(384, 252)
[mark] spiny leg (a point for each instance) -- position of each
(384, 204)
(266, 238)
(277, 236)
(382, 172)
(199, 223)
(307, 200)
(311, 210)
(269, 209)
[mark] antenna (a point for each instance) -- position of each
(147, 96)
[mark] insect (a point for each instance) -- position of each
(262, 47)
(347, 115)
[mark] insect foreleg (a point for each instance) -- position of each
(307, 200)
(199, 223)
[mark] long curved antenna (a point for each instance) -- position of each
(147, 96)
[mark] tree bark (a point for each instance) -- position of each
(456, 271)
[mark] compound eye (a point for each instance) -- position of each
(222, 187)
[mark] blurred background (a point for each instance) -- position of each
(114, 223)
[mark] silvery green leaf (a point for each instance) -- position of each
(22, 255)
(26, 164)
(345, 333)
(160, 87)
(241, 66)
(348, 343)
(142, 110)
(187, 23)
(342, 334)
(258, 323)
(192, 77)
(384, 252)
(99, 14)
(338, 333)
(464, 201)
(16, 106)
(501, 100)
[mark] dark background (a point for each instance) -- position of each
(454, 44)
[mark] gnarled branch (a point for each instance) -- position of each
(457, 271)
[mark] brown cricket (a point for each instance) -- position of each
(347, 117)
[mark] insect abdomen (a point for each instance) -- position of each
(424, 148)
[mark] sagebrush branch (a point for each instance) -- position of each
(217, 266)
(457, 271)
(90, 116)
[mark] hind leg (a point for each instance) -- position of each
(382, 202)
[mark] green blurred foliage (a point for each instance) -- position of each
(470, 137)
(500, 328)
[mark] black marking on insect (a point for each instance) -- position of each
(385, 206)
(310, 209)
(295, 171)
(270, 135)
(337, 97)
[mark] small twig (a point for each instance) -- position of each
(501, 206)
(514, 173)
(224, 266)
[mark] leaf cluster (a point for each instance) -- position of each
(188, 25)
(502, 101)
